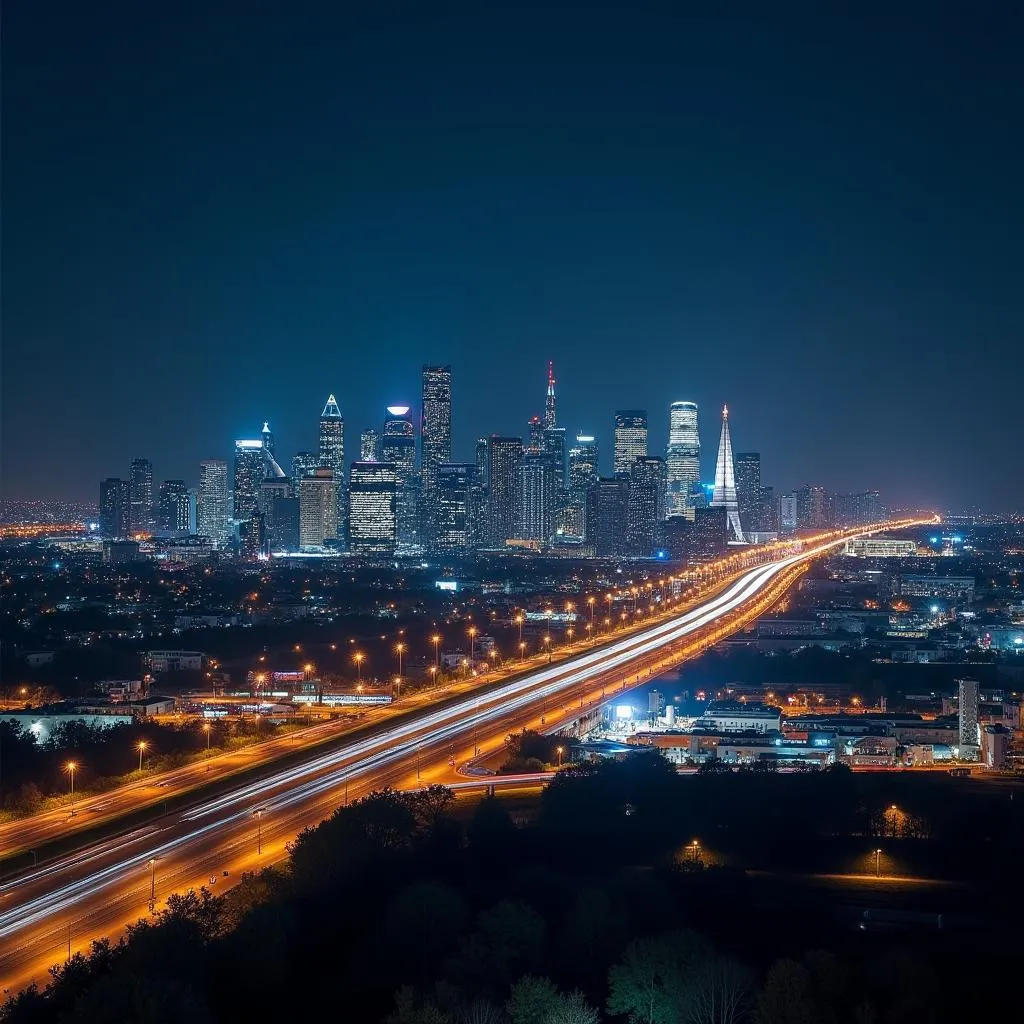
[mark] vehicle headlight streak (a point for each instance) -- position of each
(396, 743)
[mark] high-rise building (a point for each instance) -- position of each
(140, 482)
(769, 510)
(857, 509)
(709, 535)
(608, 515)
(115, 508)
(725, 480)
(213, 519)
(331, 456)
(318, 508)
(267, 437)
(536, 497)
(748, 490)
(174, 507)
(968, 718)
(646, 509)
(303, 464)
(282, 517)
(373, 508)
(630, 438)
(435, 423)
(271, 489)
(550, 412)
(398, 447)
(535, 432)
(553, 442)
(483, 463)
(457, 516)
(369, 445)
(582, 472)
(682, 457)
(787, 513)
(813, 508)
(504, 456)
(252, 537)
(249, 474)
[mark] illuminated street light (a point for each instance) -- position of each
(142, 750)
(472, 631)
(399, 650)
(258, 815)
(436, 641)
(878, 854)
(693, 849)
(207, 728)
(71, 767)
(522, 650)
(359, 658)
(152, 882)
(559, 751)
(519, 623)
(547, 646)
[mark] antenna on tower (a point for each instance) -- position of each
(550, 418)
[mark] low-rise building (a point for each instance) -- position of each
(738, 716)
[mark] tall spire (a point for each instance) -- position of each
(725, 481)
(550, 419)
(331, 410)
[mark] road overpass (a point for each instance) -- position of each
(50, 911)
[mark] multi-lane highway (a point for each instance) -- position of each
(63, 905)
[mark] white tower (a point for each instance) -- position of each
(725, 481)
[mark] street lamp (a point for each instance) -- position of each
(71, 767)
(694, 850)
(878, 853)
(472, 631)
(142, 750)
(522, 650)
(359, 658)
(436, 640)
(399, 650)
(207, 728)
(559, 751)
(592, 601)
(258, 815)
(547, 646)
(152, 882)
(519, 623)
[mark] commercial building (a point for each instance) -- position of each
(646, 506)
(212, 514)
(537, 474)
(813, 508)
(318, 509)
(331, 455)
(174, 661)
(140, 482)
(748, 491)
(708, 536)
(115, 508)
(504, 455)
(174, 507)
(249, 474)
(630, 438)
(121, 552)
(682, 458)
(855, 509)
(737, 716)
(398, 448)
(435, 423)
(967, 718)
(303, 464)
(607, 516)
(457, 499)
(373, 508)
(880, 547)
(369, 445)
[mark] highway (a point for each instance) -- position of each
(99, 889)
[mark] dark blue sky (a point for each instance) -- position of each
(216, 213)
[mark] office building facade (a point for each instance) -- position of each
(537, 490)
(504, 455)
(608, 516)
(398, 448)
(646, 508)
(173, 517)
(115, 508)
(140, 482)
(249, 474)
(748, 491)
(457, 497)
(682, 458)
(373, 508)
(630, 439)
(331, 455)
(318, 509)
(213, 518)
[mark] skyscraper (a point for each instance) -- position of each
(553, 443)
(483, 462)
(968, 718)
(318, 508)
(748, 491)
(281, 509)
(332, 455)
(709, 537)
(435, 423)
(607, 516)
(372, 509)
(682, 457)
(212, 508)
(249, 474)
(550, 413)
(725, 480)
(582, 472)
(536, 497)
(398, 447)
(303, 464)
(457, 516)
(174, 507)
(115, 508)
(140, 481)
(535, 432)
(646, 509)
(267, 436)
(813, 508)
(369, 445)
(504, 457)
(630, 438)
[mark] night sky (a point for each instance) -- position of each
(216, 213)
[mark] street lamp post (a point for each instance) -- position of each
(522, 650)
(399, 650)
(694, 850)
(878, 853)
(359, 658)
(436, 641)
(258, 815)
(547, 647)
(207, 728)
(519, 623)
(142, 750)
(70, 768)
(559, 751)
(472, 645)
(152, 882)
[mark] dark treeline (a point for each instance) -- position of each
(403, 908)
(31, 771)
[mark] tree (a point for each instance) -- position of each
(532, 1000)
(491, 829)
(650, 984)
(720, 992)
(786, 997)
(573, 1009)
(413, 1008)
(509, 939)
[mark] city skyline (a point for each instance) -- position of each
(669, 208)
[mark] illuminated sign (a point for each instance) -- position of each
(398, 410)
(449, 585)
(341, 699)
(287, 677)
(623, 711)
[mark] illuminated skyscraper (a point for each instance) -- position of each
(372, 511)
(583, 472)
(398, 447)
(303, 464)
(174, 507)
(436, 423)
(682, 457)
(140, 481)
(630, 438)
(748, 491)
(550, 413)
(607, 516)
(457, 515)
(332, 455)
(318, 509)
(369, 444)
(482, 462)
(536, 497)
(968, 718)
(115, 508)
(646, 509)
(725, 480)
(504, 456)
(249, 474)
(212, 506)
